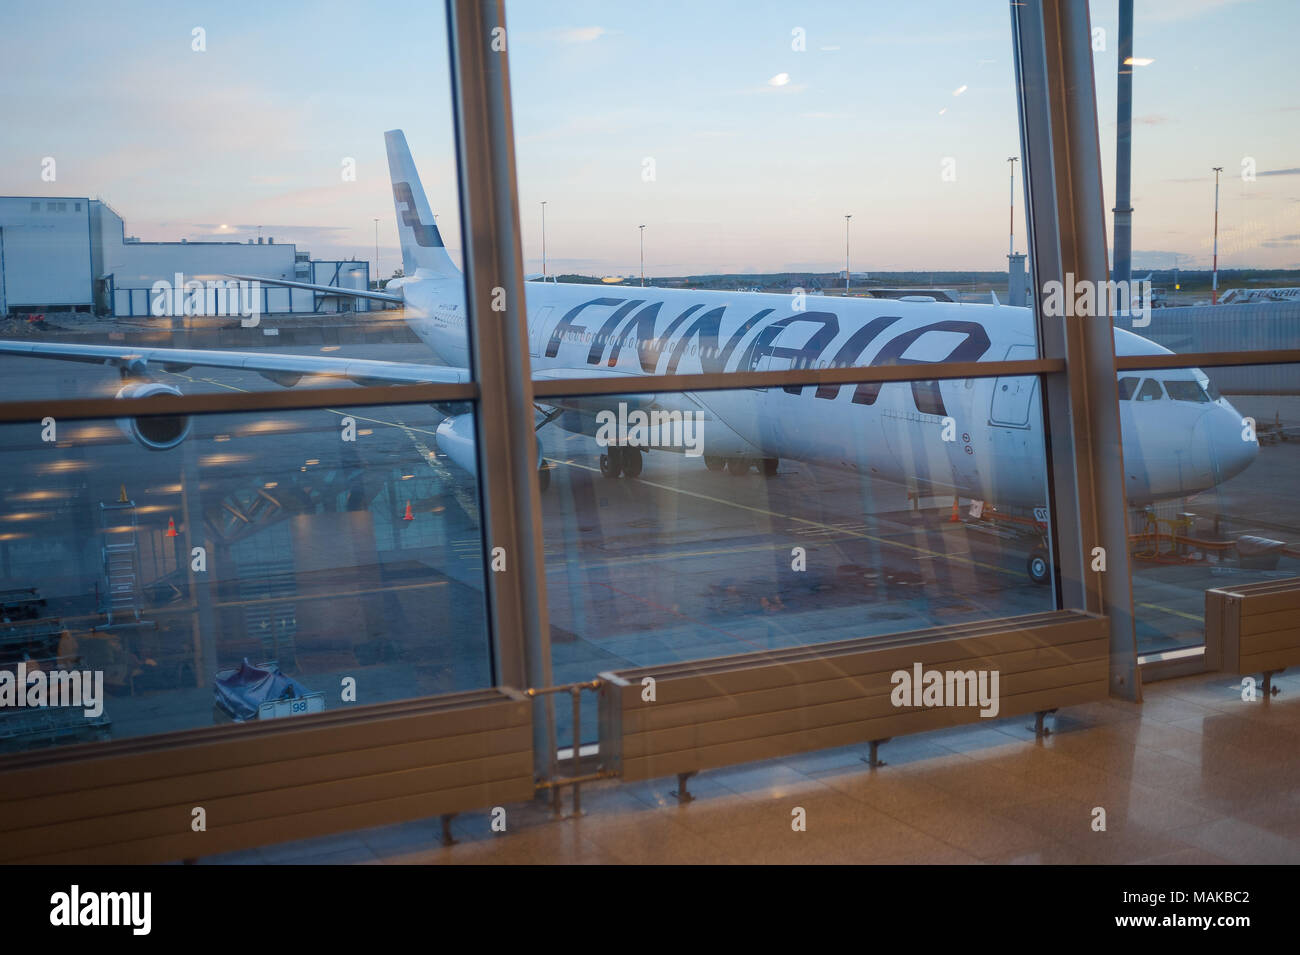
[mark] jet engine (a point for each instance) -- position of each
(456, 440)
(155, 432)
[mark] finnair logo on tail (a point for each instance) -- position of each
(656, 429)
(946, 688)
(426, 236)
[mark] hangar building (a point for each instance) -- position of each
(74, 253)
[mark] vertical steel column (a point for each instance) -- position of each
(1124, 147)
(1067, 225)
(498, 336)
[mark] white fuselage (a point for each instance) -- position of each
(980, 438)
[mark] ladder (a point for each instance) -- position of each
(121, 558)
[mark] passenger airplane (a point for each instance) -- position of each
(1180, 436)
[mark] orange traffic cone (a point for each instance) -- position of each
(171, 527)
(955, 519)
(408, 516)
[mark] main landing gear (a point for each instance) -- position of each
(740, 466)
(626, 461)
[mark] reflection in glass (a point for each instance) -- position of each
(759, 519)
(1210, 481)
(331, 557)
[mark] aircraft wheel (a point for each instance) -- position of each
(611, 462)
(544, 475)
(633, 461)
(714, 463)
(1039, 567)
(737, 466)
(770, 465)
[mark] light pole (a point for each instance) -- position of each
(377, 276)
(1012, 160)
(1123, 210)
(543, 240)
(846, 254)
(642, 228)
(1214, 287)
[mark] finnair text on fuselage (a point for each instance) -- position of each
(712, 339)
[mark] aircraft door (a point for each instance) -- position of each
(538, 329)
(1013, 396)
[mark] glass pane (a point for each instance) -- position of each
(328, 555)
(236, 190)
(744, 201)
(732, 521)
(1211, 485)
(1214, 182)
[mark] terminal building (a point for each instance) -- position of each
(73, 253)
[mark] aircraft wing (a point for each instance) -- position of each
(286, 370)
(593, 403)
(325, 289)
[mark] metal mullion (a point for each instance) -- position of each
(1062, 170)
(506, 442)
(1290, 356)
(723, 381)
(89, 409)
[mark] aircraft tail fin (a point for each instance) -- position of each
(422, 247)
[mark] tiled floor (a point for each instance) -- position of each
(1193, 775)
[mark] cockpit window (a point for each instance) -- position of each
(1150, 391)
(1126, 388)
(1184, 390)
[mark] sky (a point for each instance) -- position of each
(739, 133)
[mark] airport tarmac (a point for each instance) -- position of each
(311, 562)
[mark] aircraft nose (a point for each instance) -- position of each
(1222, 439)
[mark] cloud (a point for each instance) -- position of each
(779, 84)
(581, 34)
(1280, 172)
